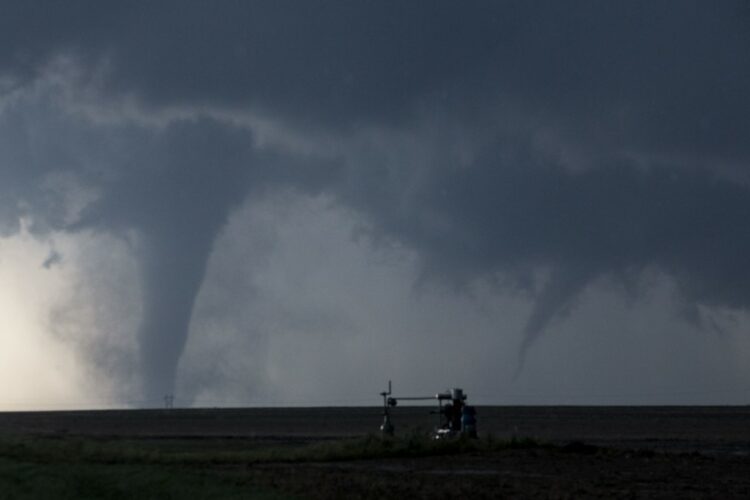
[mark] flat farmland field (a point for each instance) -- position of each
(528, 452)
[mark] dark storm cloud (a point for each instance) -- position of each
(338, 62)
(650, 97)
(513, 214)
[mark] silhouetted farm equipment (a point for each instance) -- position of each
(455, 417)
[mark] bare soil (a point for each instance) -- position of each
(541, 473)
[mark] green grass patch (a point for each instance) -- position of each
(72, 450)
(91, 468)
(31, 480)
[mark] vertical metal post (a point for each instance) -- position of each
(387, 428)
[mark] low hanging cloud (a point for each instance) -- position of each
(538, 146)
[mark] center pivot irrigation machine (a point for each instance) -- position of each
(455, 417)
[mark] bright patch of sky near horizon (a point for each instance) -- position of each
(37, 369)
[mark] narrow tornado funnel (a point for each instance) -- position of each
(177, 202)
(172, 273)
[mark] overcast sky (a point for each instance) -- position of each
(289, 203)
